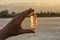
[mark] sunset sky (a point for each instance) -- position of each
(18, 5)
(30, 1)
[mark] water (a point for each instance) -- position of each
(48, 28)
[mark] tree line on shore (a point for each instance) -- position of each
(6, 14)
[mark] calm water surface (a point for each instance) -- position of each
(48, 28)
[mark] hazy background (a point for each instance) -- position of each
(48, 27)
(20, 5)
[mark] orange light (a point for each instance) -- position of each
(33, 21)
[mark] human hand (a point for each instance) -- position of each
(14, 27)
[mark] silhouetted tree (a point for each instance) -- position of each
(4, 13)
(13, 14)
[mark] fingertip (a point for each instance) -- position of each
(31, 10)
(33, 31)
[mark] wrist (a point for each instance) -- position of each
(3, 34)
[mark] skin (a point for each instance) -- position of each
(14, 27)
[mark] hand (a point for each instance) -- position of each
(14, 27)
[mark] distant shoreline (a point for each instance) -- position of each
(26, 17)
(6, 14)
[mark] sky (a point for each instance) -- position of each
(51, 5)
(30, 1)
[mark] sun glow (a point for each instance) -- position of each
(37, 4)
(29, 1)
